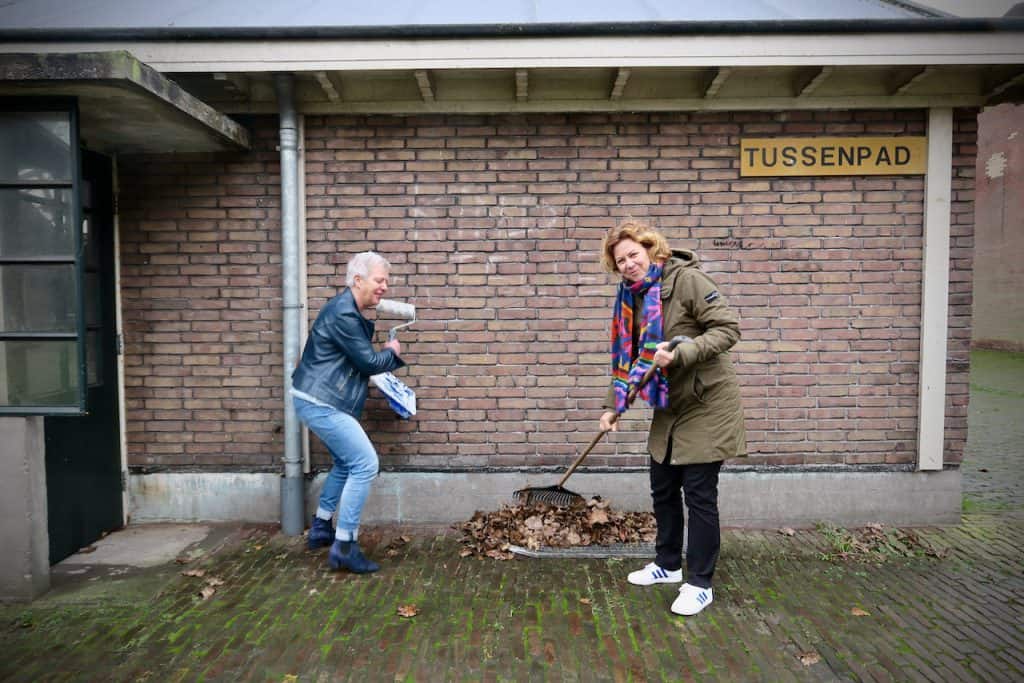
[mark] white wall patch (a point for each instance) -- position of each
(996, 165)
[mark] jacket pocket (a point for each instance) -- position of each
(344, 380)
(682, 390)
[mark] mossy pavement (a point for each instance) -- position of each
(943, 604)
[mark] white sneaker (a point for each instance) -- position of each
(652, 574)
(692, 599)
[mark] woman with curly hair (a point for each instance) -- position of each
(698, 417)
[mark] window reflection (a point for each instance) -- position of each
(36, 223)
(40, 348)
(35, 146)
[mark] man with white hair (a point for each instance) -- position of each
(329, 388)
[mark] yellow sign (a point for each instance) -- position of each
(833, 156)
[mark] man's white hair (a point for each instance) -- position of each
(362, 263)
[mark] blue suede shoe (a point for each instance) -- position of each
(321, 533)
(353, 560)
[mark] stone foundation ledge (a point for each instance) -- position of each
(752, 499)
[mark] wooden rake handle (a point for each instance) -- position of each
(673, 343)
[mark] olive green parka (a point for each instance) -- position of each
(704, 418)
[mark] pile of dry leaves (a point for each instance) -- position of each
(539, 525)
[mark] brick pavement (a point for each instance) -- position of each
(279, 616)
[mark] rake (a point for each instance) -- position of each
(558, 495)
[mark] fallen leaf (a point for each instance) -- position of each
(408, 611)
(584, 601)
(214, 581)
(858, 612)
(465, 552)
(313, 591)
(598, 516)
(207, 592)
(194, 572)
(786, 531)
(87, 549)
(290, 678)
(182, 560)
(534, 523)
(808, 658)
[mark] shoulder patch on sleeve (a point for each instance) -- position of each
(711, 296)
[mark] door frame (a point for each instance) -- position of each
(122, 441)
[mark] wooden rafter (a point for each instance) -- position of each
(426, 85)
(328, 85)
(814, 82)
(1006, 85)
(717, 81)
(522, 85)
(905, 87)
(621, 78)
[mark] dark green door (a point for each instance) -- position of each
(83, 460)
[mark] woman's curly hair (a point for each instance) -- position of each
(641, 233)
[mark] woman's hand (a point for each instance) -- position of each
(609, 423)
(395, 346)
(663, 357)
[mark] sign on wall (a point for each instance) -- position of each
(833, 156)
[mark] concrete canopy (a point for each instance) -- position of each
(125, 106)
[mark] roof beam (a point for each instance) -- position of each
(1006, 85)
(905, 87)
(603, 104)
(721, 75)
(522, 85)
(328, 85)
(809, 84)
(425, 84)
(621, 78)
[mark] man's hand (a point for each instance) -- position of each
(608, 422)
(394, 346)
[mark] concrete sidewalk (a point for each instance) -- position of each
(940, 604)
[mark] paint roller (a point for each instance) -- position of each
(401, 398)
(396, 309)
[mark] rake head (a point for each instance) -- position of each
(552, 495)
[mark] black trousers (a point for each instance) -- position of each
(699, 484)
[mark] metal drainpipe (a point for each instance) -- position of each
(292, 484)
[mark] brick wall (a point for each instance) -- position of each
(201, 291)
(492, 224)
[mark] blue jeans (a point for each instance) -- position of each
(355, 461)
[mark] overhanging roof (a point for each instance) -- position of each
(124, 105)
(412, 56)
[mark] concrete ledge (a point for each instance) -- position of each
(796, 498)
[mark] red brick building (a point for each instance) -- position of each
(486, 163)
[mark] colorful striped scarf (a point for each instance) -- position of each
(625, 372)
